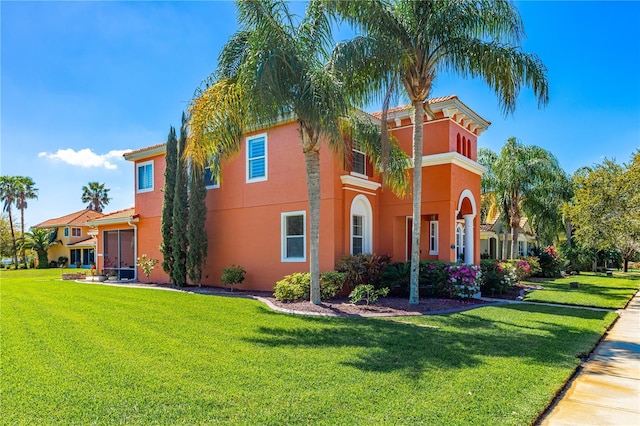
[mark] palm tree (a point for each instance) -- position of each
(96, 195)
(26, 191)
(274, 68)
(528, 181)
(39, 240)
(413, 42)
(8, 195)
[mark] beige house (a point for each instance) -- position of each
(77, 244)
(494, 236)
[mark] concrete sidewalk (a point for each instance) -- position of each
(606, 390)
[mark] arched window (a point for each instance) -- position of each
(464, 146)
(469, 148)
(459, 145)
(361, 225)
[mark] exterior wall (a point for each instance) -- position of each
(244, 220)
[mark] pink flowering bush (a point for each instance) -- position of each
(465, 280)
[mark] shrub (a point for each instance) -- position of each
(550, 263)
(62, 261)
(297, 286)
(293, 288)
(363, 269)
(368, 293)
(147, 264)
(331, 283)
(521, 268)
(232, 275)
(497, 276)
(397, 276)
(464, 280)
(434, 278)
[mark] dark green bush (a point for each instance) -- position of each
(233, 275)
(397, 276)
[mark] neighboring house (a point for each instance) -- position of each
(257, 210)
(493, 236)
(77, 244)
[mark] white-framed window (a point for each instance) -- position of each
(76, 232)
(211, 180)
(66, 232)
(361, 223)
(357, 234)
(359, 160)
(257, 158)
(433, 237)
(294, 242)
(521, 248)
(144, 176)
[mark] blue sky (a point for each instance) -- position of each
(81, 82)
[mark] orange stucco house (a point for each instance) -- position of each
(257, 212)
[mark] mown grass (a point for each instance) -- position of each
(593, 290)
(88, 353)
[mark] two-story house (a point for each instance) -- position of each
(77, 243)
(257, 209)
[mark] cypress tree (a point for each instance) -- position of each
(197, 235)
(180, 212)
(167, 206)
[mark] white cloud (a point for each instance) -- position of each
(86, 157)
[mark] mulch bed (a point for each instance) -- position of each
(386, 306)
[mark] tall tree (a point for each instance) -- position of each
(5, 237)
(96, 195)
(39, 240)
(179, 241)
(197, 234)
(8, 195)
(171, 158)
(605, 209)
(26, 191)
(278, 66)
(413, 42)
(527, 181)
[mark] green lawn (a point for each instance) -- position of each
(87, 353)
(594, 290)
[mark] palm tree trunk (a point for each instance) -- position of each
(312, 163)
(514, 242)
(24, 258)
(505, 242)
(13, 239)
(418, 118)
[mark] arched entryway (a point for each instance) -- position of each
(467, 212)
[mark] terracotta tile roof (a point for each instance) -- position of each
(378, 114)
(143, 150)
(486, 227)
(120, 214)
(89, 241)
(77, 219)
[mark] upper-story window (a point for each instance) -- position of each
(359, 160)
(76, 232)
(211, 180)
(66, 232)
(257, 158)
(144, 176)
